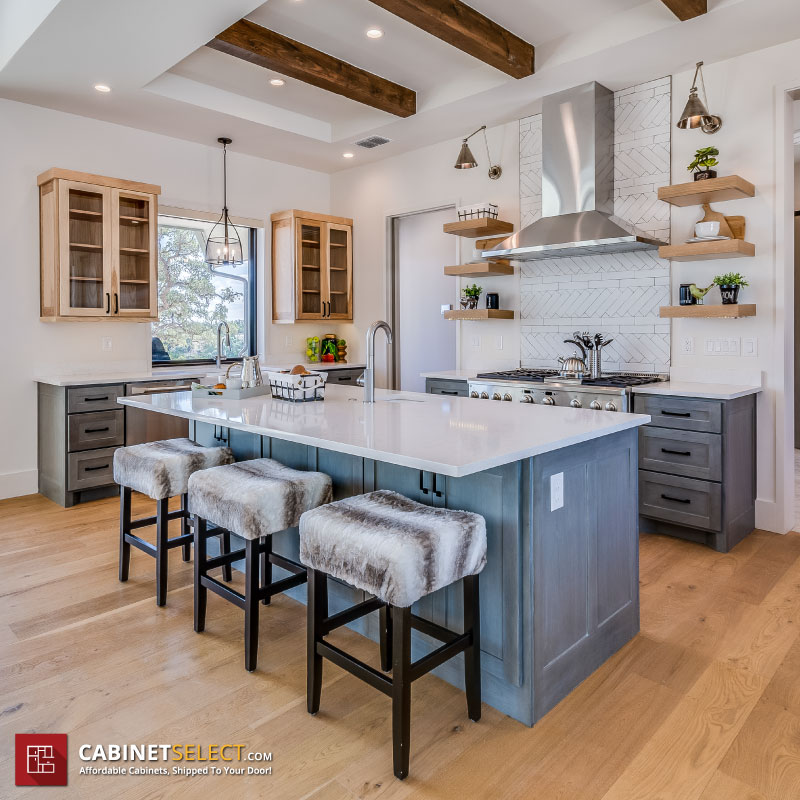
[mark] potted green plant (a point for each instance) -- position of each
(470, 295)
(704, 159)
(729, 285)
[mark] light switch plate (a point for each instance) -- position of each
(288, 341)
(557, 491)
(475, 341)
(749, 346)
(106, 344)
(498, 342)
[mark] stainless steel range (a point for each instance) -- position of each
(546, 387)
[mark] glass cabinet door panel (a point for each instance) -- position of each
(134, 257)
(309, 268)
(340, 262)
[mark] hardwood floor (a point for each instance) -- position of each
(703, 705)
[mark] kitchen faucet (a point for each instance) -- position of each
(367, 380)
(219, 340)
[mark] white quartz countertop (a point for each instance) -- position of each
(711, 391)
(453, 436)
(173, 373)
(451, 374)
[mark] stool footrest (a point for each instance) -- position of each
(355, 667)
(276, 587)
(225, 559)
(143, 522)
(141, 544)
(287, 563)
(178, 541)
(231, 595)
(440, 655)
(349, 614)
(432, 629)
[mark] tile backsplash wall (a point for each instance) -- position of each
(616, 294)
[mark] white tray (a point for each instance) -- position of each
(230, 394)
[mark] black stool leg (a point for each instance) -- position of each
(251, 604)
(385, 622)
(472, 655)
(187, 547)
(266, 566)
(317, 611)
(401, 689)
(225, 548)
(162, 550)
(200, 591)
(124, 527)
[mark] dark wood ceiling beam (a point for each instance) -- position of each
(271, 50)
(686, 9)
(467, 29)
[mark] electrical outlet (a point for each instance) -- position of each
(750, 346)
(288, 340)
(106, 344)
(687, 345)
(475, 342)
(556, 491)
(498, 342)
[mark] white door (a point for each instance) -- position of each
(424, 340)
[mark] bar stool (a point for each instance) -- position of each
(160, 470)
(399, 551)
(252, 499)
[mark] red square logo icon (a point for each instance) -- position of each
(41, 759)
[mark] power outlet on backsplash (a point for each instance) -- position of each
(687, 345)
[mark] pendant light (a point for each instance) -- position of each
(466, 160)
(223, 246)
(696, 115)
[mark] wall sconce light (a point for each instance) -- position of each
(466, 160)
(696, 115)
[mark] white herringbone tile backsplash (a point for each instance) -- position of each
(616, 294)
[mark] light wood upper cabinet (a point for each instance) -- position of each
(312, 266)
(98, 247)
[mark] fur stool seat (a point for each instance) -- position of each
(399, 551)
(253, 499)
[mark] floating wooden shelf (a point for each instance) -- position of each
(484, 269)
(703, 251)
(713, 190)
(483, 226)
(732, 310)
(479, 313)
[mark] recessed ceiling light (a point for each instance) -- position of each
(374, 33)
(101, 87)
(347, 155)
(277, 82)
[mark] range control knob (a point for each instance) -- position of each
(474, 394)
(497, 396)
(575, 403)
(484, 395)
(507, 397)
(548, 401)
(595, 405)
(528, 398)
(611, 406)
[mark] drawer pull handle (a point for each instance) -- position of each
(676, 413)
(448, 391)
(96, 430)
(92, 469)
(676, 452)
(95, 399)
(348, 378)
(675, 499)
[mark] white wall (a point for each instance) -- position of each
(190, 175)
(748, 92)
(422, 179)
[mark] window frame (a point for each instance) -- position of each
(252, 294)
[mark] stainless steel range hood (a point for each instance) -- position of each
(577, 183)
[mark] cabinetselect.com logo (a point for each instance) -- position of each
(40, 759)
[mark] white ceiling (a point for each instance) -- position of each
(152, 54)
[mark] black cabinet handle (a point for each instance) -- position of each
(676, 413)
(93, 469)
(95, 399)
(108, 303)
(676, 452)
(448, 391)
(96, 430)
(116, 303)
(344, 380)
(436, 490)
(675, 499)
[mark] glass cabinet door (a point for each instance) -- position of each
(85, 249)
(134, 253)
(309, 248)
(340, 271)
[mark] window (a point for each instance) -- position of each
(193, 298)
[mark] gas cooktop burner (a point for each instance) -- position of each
(530, 375)
(546, 375)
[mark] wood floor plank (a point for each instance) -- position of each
(723, 787)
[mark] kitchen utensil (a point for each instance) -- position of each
(579, 344)
(715, 216)
(597, 361)
(572, 366)
(706, 230)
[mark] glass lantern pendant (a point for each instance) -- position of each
(223, 246)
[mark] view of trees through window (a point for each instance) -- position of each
(193, 299)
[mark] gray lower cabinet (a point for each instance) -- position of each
(446, 387)
(80, 427)
(343, 375)
(697, 468)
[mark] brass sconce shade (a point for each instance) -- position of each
(695, 114)
(466, 160)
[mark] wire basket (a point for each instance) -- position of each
(478, 211)
(297, 388)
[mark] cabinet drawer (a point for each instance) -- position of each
(90, 469)
(447, 387)
(686, 453)
(93, 398)
(685, 501)
(97, 429)
(345, 376)
(684, 413)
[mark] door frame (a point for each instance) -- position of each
(394, 353)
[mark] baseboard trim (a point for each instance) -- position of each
(770, 517)
(17, 484)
